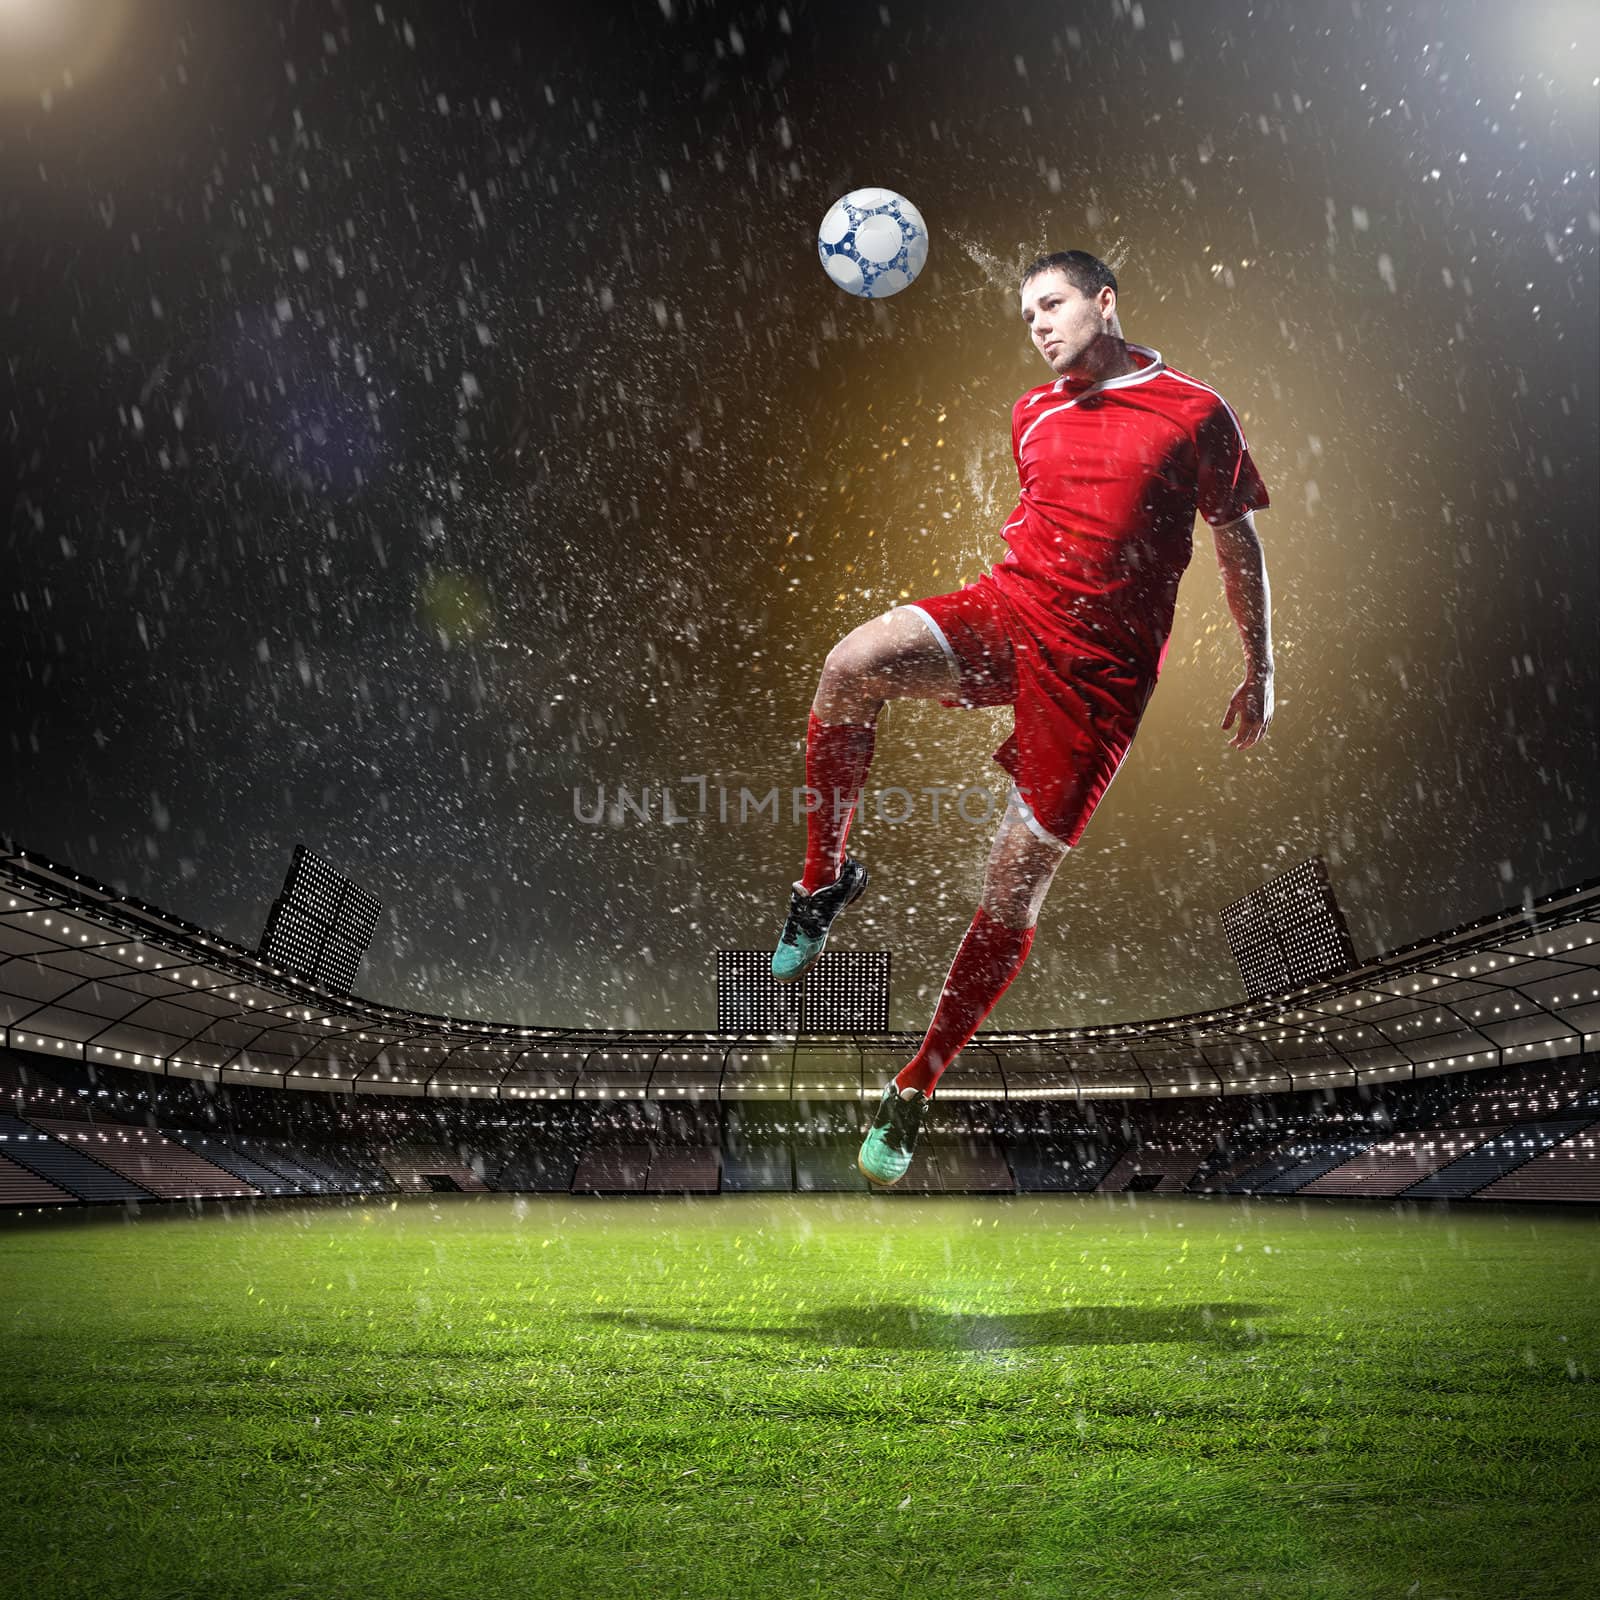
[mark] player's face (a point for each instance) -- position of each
(1062, 322)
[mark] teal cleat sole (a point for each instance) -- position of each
(885, 1154)
(873, 1178)
(791, 961)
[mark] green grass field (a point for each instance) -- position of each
(803, 1395)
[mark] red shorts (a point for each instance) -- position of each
(1076, 711)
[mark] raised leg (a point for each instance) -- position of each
(895, 656)
(892, 657)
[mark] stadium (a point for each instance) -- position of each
(149, 1060)
(1225, 1286)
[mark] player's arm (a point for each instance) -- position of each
(1244, 580)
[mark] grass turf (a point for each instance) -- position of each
(797, 1396)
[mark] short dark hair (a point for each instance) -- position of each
(1086, 273)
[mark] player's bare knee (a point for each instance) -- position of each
(844, 672)
(1007, 892)
(1020, 871)
(856, 653)
(862, 660)
(846, 689)
(1010, 907)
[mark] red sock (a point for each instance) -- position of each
(837, 757)
(990, 956)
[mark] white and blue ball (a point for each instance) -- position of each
(873, 243)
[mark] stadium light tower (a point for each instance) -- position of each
(321, 924)
(1289, 932)
(847, 991)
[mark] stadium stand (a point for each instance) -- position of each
(767, 1171)
(684, 1169)
(755, 1149)
(825, 1163)
(975, 1163)
(169, 1171)
(72, 1170)
(1395, 1164)
(536, 1171)
(141, 1057)
(685, 1147)
(353, 1165)
(271, 1155)
(1568, 1171)
(55, 1102)
(420, 1168)
(613, 1169)
(1168, 1171)
(230, 1160)
(347, 1169)
(1058, 1161)
(1301, 1163)
(1402, 1140)
(1237, 1157)
(1492, 1159)
(20, 1187)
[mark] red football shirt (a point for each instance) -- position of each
(1112, 474)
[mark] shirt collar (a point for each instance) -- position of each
(1148, 368)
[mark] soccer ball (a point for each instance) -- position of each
(873, 243)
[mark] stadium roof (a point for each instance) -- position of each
(91, 975)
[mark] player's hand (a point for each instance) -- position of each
(1252, 705)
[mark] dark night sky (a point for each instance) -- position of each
(418, 412)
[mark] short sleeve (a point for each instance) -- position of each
(1230, 485)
